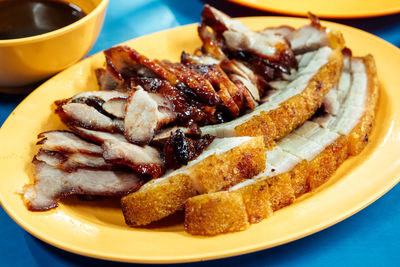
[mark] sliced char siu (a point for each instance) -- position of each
(67, 143)
(268, 55)
(52, 184)
(73, 161)
(145, 114)
(68, 151)
(88, 115)
(145, 160)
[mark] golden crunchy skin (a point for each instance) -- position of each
(281, 191)
(358, 137)
(256, 200)
(156, 200)
(277, 123)
(298, 176)
(221, 212)
(305, 176)
(160, 200)
(219, 172)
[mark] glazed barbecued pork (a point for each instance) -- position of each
(226, 94)
(268, 54)
(299, 162)
(114, 148)
(52, 184)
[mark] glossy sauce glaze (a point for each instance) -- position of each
(24, 18)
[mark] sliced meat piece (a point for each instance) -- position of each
(154, 66)
(124, 63)
(212, 45)
(103, 95)
(127, 64)
(52, 184)
(228, 90)
(265, 46)
(183, 100)
(117, 150)
(97, 137)
(144, 117)
(238, 71)
(106, 102)
(83, 115)
(110, 79)
(119, 69)
(74, 161)
(141, 159)
(67, 142)
(237, 38)
(201, 86)
(115, 107)
(309, 37)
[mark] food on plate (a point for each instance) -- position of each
(236, 130)
(226, 162)
(301, 161)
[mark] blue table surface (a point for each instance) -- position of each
(369, 238)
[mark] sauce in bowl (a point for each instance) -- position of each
(24, 18)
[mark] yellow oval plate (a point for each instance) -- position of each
(97, 229)
(326, 9)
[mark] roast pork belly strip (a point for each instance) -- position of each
(300, 162)
(288, 107)
(226, 162)
(356, 115)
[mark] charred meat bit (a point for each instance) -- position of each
(180, 149)
(201, 86)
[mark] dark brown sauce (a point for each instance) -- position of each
(23, 18)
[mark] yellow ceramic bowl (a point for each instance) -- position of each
(25, 61)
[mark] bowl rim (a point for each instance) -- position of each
(45, 36)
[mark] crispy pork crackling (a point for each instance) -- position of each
(301, 161)
(226, 162)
